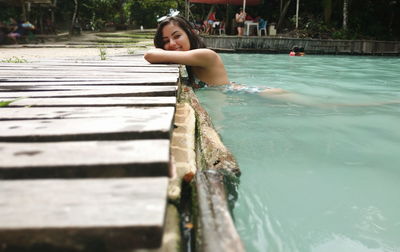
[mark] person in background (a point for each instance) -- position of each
(240, 18)
(198, 25)
(210, 22)
(19, 30)
(297, 51)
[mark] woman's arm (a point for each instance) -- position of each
(197, 57)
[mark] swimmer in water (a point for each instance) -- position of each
(177, 42)
(297, 51)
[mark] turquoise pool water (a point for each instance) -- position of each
(321, 165)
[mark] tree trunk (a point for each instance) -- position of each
(74, 16)
(327, 11)
(187, 7)
(24, 15)
(122, 17)
(53, 18)
(297, 14)
(283, 14)
(345, 13)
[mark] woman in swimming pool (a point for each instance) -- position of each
(177, 42)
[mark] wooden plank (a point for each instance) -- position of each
(63, 63)
(60, 63)
(85, 112)
(82, 215)
(84, 75)
(87, 70)
(122, 89)
(120, 62)
(136, 79)
(144, 127)
(142, 76)
(88, 63)
(67, 74)
(111, 92)
(86, 159)
(159, 80)
(93, 102)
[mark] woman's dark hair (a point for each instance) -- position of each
(194, 39)
(295, 49)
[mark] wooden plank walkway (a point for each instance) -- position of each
(85, 153)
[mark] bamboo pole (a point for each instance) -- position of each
(297, 14)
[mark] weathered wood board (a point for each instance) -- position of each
(111, 89)
(155, 80)
(139, 114)
(80, 147)
(94, 102)
(82, 75)
(106, 92)
(87, 159)
(82, 214)
(34, 70)
(135, 79)
(81, 72)
(86, 129)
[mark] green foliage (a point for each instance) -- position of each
(123, 37)
(5, 103)
(343, 34)
(115, 41)
(366, 18)
(139, 36)
(102, 53)
(8, 12)
(96, 14)
(14, 59)
(146, 12)
(131, 51)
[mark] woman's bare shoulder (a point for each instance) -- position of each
(204, 52)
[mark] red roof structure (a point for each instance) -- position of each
(233, 2)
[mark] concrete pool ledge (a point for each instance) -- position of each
(217, 170)
(182, 150)
(275, 44)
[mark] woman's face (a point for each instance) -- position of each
(175, 39)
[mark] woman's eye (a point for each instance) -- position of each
(177, 36)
